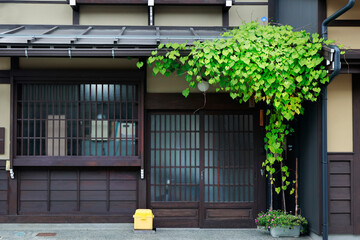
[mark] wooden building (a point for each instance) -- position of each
(91, 138)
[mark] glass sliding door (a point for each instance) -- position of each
(229, 158)
(175, 157)
(202, 169)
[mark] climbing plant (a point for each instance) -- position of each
(268, 63)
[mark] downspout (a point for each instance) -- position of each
(337, 67)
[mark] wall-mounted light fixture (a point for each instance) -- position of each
(203, 86)
(228, 3)
(72, 3)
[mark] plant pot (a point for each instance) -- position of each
(285, 231)
(263, 229)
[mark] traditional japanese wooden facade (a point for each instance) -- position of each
(90, 137)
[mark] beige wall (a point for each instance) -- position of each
(77, 63)
(188, 16)
(162, 84)
(4, 63)
(172, 84)
(348, 36)
(17, 13)
(340, 121)
(334, 5)
(5, 117)
(114, 15)
(240, 14)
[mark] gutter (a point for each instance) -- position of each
(337, 67)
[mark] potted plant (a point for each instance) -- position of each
(281, 224)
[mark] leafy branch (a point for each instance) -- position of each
(272, 64)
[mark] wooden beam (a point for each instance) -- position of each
(321, 13)
(225, 16)
(157, 2)
(345, 23)
(272, 11)
(76, 16)
(250, 3)
(176, 101)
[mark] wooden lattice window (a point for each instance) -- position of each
(77, 119)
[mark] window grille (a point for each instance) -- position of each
(77, 119)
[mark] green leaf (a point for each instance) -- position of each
(186, 92)
(155, 70)
(140, 64)
(284, 168)
(278, 190)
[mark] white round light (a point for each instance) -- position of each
(203, 86)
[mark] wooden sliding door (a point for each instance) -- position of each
(203, 169)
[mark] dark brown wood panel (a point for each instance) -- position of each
(176, 213)
(5, 76)
(68, 218)
(340, 207)
(2, 140)
(214, 101)
(3, 192)
(77, 191)
(340, 180)
(340, 193)
(229, 213)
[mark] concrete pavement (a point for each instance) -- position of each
(123, 232)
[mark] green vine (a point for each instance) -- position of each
(272, 64)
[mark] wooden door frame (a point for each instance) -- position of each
(355, 167)
(259, 181)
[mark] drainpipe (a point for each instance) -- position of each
(337, 67)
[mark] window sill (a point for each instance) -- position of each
(86, 161)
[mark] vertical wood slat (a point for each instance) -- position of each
(175, 166)
(12, 203)
(22, 122)
(170, 157)
(48, 190)
(202, 185)
(78, 189)
(96, 112)
(28, 123)
(126, 118)
(243, 155)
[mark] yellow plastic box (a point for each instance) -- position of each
(143, 219)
